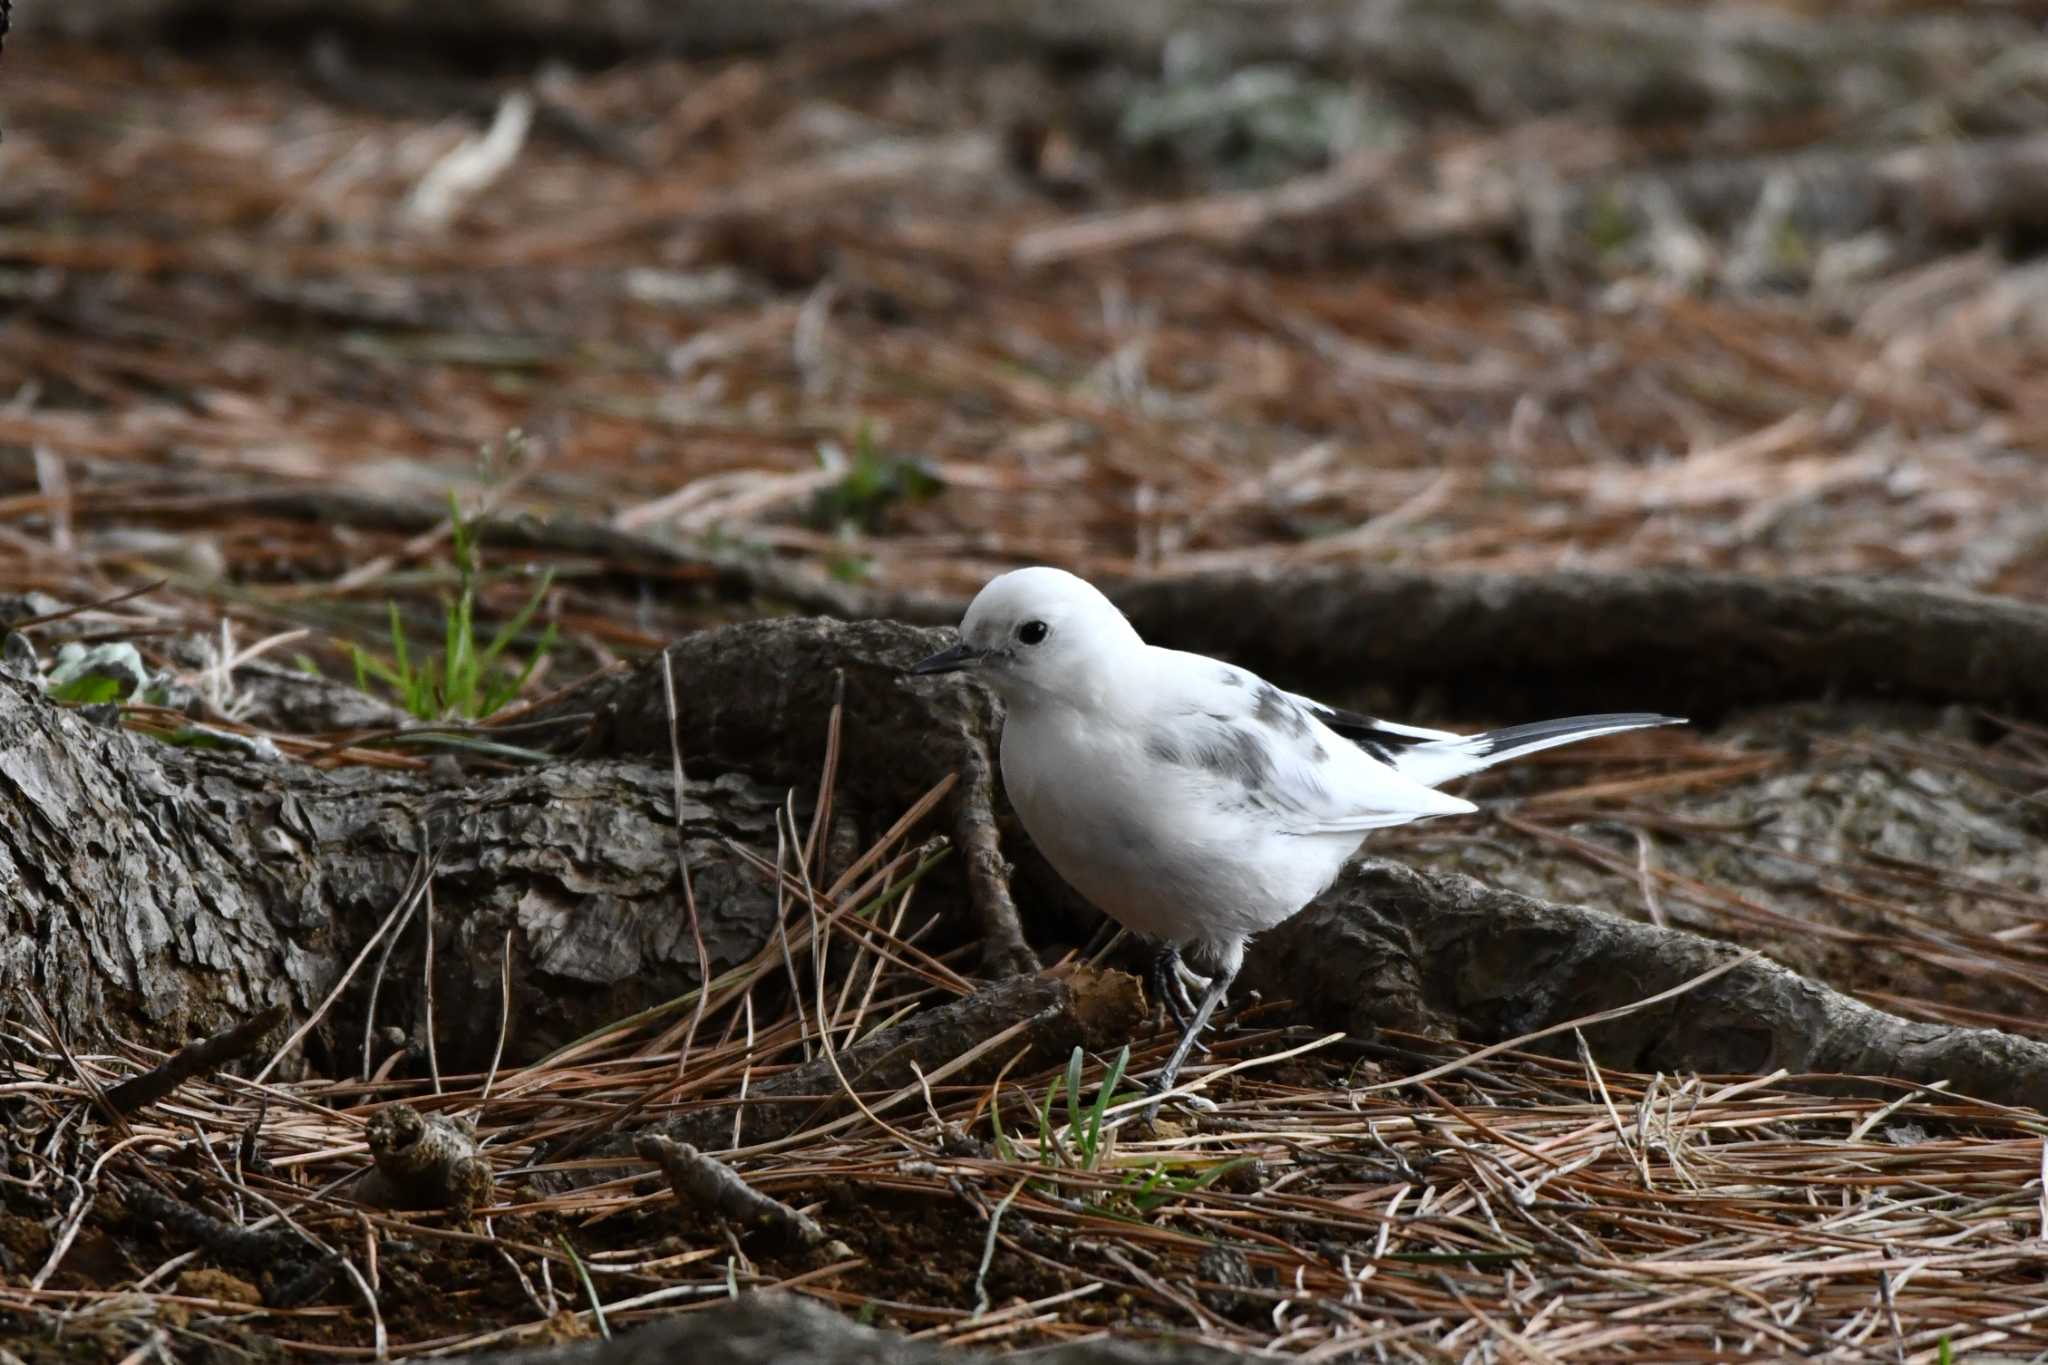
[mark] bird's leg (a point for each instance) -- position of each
(1168, 987)
(1219, 985)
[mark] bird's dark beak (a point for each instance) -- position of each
(948, 661)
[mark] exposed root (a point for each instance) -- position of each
(1004, 951)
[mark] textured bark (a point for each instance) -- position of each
(755, 696)
(1694, 644)
(771, 1329)
(1443, 954)
(160, 891)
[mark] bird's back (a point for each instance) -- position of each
(1193, 806)
(1305, 776)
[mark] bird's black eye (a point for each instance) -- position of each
(1031, 632)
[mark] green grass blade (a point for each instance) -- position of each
(583, 1274)
(1104, 1096)
(1074, 1065)
(404, 668)
(1048, 1150)
(515, 627)
(1005, 1148)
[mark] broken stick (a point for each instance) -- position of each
(194, 1059)
(711, 1184)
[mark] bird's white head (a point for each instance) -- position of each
(1041, 635)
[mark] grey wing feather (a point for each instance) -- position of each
(1434, 756)
(1273, 751)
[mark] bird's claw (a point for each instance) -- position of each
(1171, 988)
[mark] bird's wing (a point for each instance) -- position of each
(1434, 756)
(1266, 748)
(1385, 740)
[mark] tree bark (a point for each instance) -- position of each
(164, 893)
(1446, 955)
(159, 892)
(1696, 644)
(769, 1329)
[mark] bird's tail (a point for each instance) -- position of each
(1440, 760)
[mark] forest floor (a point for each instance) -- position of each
(885, 312)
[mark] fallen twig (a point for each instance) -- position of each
(257, 1249)
(1045, 1016)
(711, 1184)
(197, 1059)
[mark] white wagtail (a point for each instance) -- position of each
(1190, 800)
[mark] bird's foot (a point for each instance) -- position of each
(1168, 980)
(1158, 1086)
(1219, 986)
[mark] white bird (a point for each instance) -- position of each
(1189, 799)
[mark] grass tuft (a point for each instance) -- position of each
(467, 679)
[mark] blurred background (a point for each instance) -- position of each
(700, 310)
(900, 294)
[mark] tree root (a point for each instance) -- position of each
(265, 886)
(1497, 59)
(1697, 644)
(771, 1328)
(1003, 949)
(755, 696)
(1391, 947)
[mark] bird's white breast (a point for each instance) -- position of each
(1162, 849)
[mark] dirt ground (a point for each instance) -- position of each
(880, 311)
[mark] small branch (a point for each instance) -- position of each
(255, 1250)
(195, 1059)
(732, 575)
(1227, 219)
(711, 1184)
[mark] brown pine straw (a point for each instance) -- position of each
(1674, 1218)
(1549, 1207)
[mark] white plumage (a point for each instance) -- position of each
(1189, 799)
